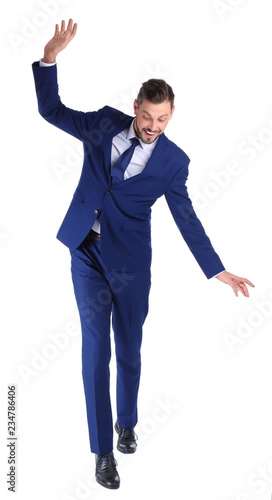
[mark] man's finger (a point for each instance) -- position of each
(244, 289)
(62, 27)
(70, 25)
(247, 281)
(74, 30)
(240, 287)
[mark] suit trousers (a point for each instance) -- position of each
(103, 296)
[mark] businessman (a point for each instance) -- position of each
(128, 164)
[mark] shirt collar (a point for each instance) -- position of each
(131, 134)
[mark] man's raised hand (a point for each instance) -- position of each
(60, 40)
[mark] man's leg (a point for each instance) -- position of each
(94, 301)
(129, 310)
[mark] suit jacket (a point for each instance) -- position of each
(125, 208)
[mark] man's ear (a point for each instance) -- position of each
(172, 112)
(135, 106)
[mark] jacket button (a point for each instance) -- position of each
(96, 211)
(109, 190)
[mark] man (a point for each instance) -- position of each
(128, 164)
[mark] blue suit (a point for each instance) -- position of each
(121, 260)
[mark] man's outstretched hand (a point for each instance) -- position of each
(60, 40)
(237, 284)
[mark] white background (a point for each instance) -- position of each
(205, 407)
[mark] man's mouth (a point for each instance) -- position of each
(150, 134)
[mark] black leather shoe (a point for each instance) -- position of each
(106, 473)
(127, 439)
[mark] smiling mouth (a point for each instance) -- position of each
(150, 134)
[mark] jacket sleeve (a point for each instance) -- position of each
(76, 123)
(189, 225)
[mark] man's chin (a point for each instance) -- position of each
(148, 139)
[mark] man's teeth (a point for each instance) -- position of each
(150, 133)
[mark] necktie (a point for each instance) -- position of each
(123, 161)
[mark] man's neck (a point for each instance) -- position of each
(135, 128)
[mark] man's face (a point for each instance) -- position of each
(151, 119)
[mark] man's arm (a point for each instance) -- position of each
(194, 234)
(76, 123)
(190, 226)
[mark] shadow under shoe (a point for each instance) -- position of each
(106, 473)
(127, 439)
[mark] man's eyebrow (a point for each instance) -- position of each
(165, 114)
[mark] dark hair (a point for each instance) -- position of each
(156, 91)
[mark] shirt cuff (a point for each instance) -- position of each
(44, 64)
(218, 273)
